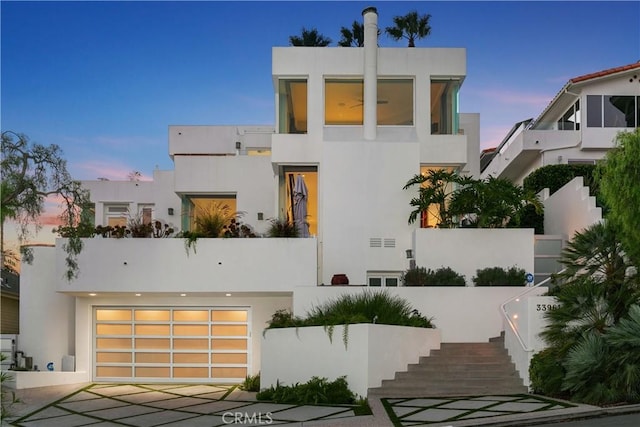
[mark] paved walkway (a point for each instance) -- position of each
(185, 405)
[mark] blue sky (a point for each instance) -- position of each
(104, 80)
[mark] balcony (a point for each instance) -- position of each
(523, 148)
(217, 140)
(163, 267)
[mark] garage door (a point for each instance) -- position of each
(185, 344)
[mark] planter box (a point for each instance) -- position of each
(466, 250)
(373, 353)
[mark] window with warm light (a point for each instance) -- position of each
(287, 184)
(343, 100)
(444, 106)
(116, 214)
(292, 106)
(207, 206)
(395, 102)
(431, 217)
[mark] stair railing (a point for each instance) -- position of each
(512, 325)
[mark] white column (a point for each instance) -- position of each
(370, 102)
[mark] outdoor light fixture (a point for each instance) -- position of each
(409, 253)
(170, 211)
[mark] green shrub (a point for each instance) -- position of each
(367, 307)
(498, 276)
(282, 227)
(251, 383)
(546, 373)
(529, 218)
(443, 276)
(316, 391)
(555, 177)
(284, 319)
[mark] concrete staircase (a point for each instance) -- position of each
(457, 369)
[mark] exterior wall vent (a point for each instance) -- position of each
(375, 242)
(389, 243)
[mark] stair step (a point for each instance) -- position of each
(456, 375)
(443, 382)
(467, 367)
(458, 369)
(445, 391)
(457, 359)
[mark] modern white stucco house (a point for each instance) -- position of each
(578, 126)
(357, 124)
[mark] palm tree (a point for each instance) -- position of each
(411, 27)
(310, 38)
(596, 253)
(353, 36)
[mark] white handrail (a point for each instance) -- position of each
(506, 315)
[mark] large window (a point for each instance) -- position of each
(208, 210)
(292, 106)
(616, 111)
(444, 106)
(395, 102)
(570, 120)
(344, 102)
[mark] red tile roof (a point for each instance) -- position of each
(605, 72)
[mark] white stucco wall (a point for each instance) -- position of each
(163, 265)
(466, 250)
(461, 314)
(47, 319)
(527, 315)
(250, 178)
(373, 353)
(570, 209)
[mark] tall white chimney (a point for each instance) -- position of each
(370, 100)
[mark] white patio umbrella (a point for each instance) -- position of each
(300, 206)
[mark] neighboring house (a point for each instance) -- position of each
(578, 126)
(356, 124)
(10, 293)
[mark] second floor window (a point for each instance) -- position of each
(292, 105)
(613, 111)
(444, 106)
(344, 102)
(570, 120)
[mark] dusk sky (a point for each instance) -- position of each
(104, 80)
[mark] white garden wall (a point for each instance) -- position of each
(462, 314)
(570, 209)
(373, 353)
(527, 315)
(217, 265)
(466, 250)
